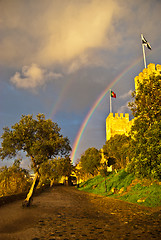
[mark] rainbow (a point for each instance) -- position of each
(95, 105)
(61, 98)
(64, 91)
(68, 84)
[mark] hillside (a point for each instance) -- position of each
(125, 186)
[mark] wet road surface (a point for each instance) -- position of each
(66, 213)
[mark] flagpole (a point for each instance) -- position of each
(143, 51)
(110, 102)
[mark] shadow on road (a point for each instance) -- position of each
(66, 213)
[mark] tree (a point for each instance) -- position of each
(65, 167)
(13, 179)
(116, 151)
(39, 138)
(146, 130)
(52, 170)
(79, 172)
(48, 172)
(90, 160)
(104, 172)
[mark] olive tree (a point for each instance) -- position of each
(116, 150)
(13, 179)
(39, 139)
(90, 160)
(54, 169)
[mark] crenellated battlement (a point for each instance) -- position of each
(119, 115)
(117, 123)
(145, 74)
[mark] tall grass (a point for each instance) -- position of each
(121, 185)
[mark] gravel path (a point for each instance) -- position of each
(66, 213)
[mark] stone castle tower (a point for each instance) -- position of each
(120, 124)
(145, 74)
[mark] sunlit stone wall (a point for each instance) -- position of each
(117, 124)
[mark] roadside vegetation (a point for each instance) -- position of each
(135, 160)
(40, 139)
(138, 153)
(127, 167)
(14, 180)
(125, 186)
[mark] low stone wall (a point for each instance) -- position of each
(12, 198)
(21, 196)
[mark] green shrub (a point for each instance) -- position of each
(149, 195)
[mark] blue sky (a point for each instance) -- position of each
(57, 57)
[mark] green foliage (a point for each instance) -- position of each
(146, 130)
(116, 151)
(65, 167)
(88, 185)
(147, 195)
(52, 170)
(90, 160)
(79, 172)
(113, 180)
(13, 179)
(40, 139)
(103, 170)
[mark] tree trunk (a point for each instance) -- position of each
(51, 182)
(105, 185)
(29, 197)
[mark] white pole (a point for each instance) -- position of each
(143, 51)
(110, 102)
(144, 55)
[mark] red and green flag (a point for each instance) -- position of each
(113, 94)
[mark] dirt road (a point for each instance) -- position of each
(66, 213)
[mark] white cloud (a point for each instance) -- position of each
(79, 27)
(49, 32)
(77, 63)
(126, 95)
(54, 31)
(33, 76)
(124, 108)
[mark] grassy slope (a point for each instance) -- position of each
(126, 187)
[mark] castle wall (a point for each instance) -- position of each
(118, 124)
(145, 74)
